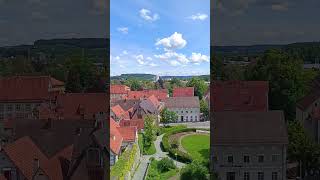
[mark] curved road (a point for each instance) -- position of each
(158, 155)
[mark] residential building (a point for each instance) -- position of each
(249, 145)
(183, 92)
(118, 92)
(187, 108)
(160, 94)
(20, 95)
(240, 96)
(308, 111)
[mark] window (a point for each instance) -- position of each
(260, 158)
(274, 176)
(230, 159)
(18, 107)
(186, 111)
(246, 176)
(260, 176)
(190, 111)
(246, 159)
(9, 107)
(28, 107)
(191, 118)
(231, 176)
(195, 118)
(275, 157)
(181, 111)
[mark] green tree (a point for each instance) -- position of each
(168, 116)
(195, 170)
(301, 148)
(149, 130)
(204, 109)
(134, 84)
(165, 164)
(285, 76)
(200, 86)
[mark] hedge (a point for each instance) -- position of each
(124, 164)
(181, 156)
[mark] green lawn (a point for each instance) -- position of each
(197, 145)
(146, 150)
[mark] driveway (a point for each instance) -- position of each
(139, 174)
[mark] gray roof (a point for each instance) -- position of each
(182, 102)
(249, 128)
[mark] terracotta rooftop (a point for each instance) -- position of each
(128, 133)
(115, 137)
(183, 91)
(161, 94)
(139, 123)
(119, 112)
(232, 128)
(119, 89)
(182, 102)
(20, 88)
(240, 96)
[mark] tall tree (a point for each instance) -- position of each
(168, 116)
(200, 86)
(149, 129)
(204, 109)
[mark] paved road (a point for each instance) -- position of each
(158, 155)
(205, 124)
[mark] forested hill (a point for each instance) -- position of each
(95, 49)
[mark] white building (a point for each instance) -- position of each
(187, 108)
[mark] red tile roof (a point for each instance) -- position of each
(115, 137)
(72, 105)
(22, 153)
(161, 95)
(139, 123)
(240, 96)
(21, 88)
(129, 133)
(183, 92)
(119, 112)
(154, 101)
(119, 89)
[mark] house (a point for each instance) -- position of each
(117, 113)
(120, 138)
(308, 111)
(139, 123)
(118, 92)
(19, 95)
(183, 92)
(147, 106)
(76, 106)
(249, 145)
(160, 94)
(187, 108)
(240, 96)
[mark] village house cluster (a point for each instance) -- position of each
(129, 108)
(47, 133)
(249, 140)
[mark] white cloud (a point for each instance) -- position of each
(175, 41)
(198, 58)
(140, 59)
(149, 58)
(199, 16)
(153, 64)
(124, 52)
(147, 15)
(169, 56)
(123, 30)
(174, 63)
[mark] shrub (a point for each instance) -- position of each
(165, 165)
(175, 144)
(195, 171)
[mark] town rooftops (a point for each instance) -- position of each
(31, 88)
(182, 102)
(72, 105)
(129, 133)
(160, 94)
(240, 96)
(139, 123)
(183, 92)
(119, 89)
(308, 100)
(231, 128)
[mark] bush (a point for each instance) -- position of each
(195, 171)
(165, 165)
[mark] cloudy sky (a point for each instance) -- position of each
(24, 21)
(167, 37)
(246, 22)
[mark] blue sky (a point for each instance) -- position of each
(163, 37)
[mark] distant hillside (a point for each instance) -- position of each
(95, 49)
(148, 77)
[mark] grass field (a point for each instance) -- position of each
(197, 145)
